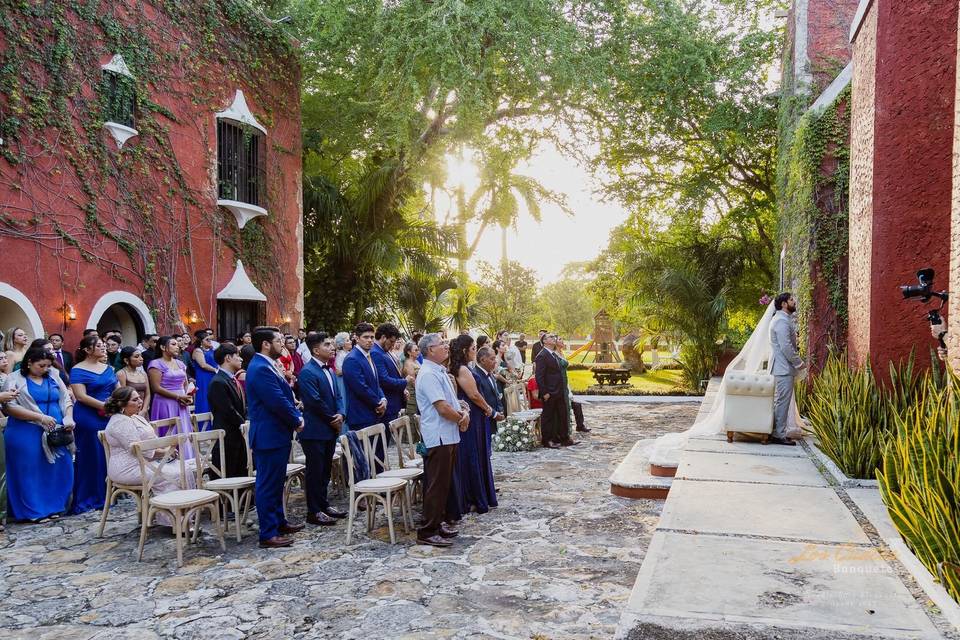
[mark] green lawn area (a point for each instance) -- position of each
(661, 382)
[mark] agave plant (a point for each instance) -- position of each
(920, 479)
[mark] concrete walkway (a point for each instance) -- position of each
(754, 542)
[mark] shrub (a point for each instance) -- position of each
(920, 479)
(853, 416)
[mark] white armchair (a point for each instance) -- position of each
(748, 404)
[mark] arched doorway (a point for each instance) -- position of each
(16, 310)
(124, 312)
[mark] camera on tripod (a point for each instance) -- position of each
(925, 292)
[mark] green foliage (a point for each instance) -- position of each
(694, 129)
(422, 302)
(505, 300)
(813, 183)
(920, 479)
(565, 306)
(854, 417)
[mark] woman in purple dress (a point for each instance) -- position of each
(168, 384)
(92, 382)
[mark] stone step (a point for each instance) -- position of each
(633, 478)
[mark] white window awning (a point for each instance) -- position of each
(241, 287)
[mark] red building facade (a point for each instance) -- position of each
(150, 169)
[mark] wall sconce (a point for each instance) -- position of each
(284, 320)
(68, 312)
(192, 317)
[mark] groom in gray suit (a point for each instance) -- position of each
(785, 362)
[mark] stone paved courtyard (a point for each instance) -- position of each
(556, 560)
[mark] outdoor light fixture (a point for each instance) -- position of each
(68, 312)
(284, 320)
(192, 317)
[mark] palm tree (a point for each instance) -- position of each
(423, 303)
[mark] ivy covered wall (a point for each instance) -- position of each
(83, 217)
(813, 181)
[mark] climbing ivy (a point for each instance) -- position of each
(813, 180)
(133, 213)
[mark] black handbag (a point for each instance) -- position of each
(59, 436)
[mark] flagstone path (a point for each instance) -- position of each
(556, 560)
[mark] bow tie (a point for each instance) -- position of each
(324, 366)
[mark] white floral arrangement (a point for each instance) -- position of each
(515, 434)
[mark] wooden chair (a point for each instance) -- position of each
(294, 469)
(384, 491)
(402, 433)
(237, 491)
(165, 423)
(336, 469)
(183, 504)
(114, 489)
(197, 418)
(374, 438)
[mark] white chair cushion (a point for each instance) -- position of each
(739, 383)
(413, 462)
(184, 498)
(376, 485)
(301, 459)
(406, 473)
(293, 469)
(225, 484)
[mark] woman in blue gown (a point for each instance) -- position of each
(92, 381)
(205, 367)
(39, 482)
(473, 469)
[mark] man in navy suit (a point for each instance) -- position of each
(389, 374)
(366, 403)
(487, 361)
(273, 418)
(322, 421)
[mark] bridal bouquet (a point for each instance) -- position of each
(515, 434)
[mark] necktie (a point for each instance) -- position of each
(370, 360)
(236, 383)
(60, 359)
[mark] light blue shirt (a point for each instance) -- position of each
(433, 385)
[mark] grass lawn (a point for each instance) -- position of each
(660, 382)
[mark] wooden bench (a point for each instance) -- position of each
(611, 376)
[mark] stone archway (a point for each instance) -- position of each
(16, 310)
(123, 311)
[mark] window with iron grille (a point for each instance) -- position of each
(121, 98)
(240, 163)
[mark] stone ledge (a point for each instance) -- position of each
(632, 477)
(839, 476)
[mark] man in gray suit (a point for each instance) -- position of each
(785, 362)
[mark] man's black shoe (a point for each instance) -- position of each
(334, 513)
(783, 441)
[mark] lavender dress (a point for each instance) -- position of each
(172, 379)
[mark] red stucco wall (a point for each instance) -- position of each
(912, 166)
(828, 37)
(184, 246)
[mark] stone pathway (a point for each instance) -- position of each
(557, 559)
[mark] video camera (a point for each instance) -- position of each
(925, 292)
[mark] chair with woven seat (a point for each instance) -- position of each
(374, 439)
(384, 491)
(115, 489)
(295, 470)
(182, 504)
(237, 492)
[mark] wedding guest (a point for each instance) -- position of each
(572, 405)
(113, 344)
(204, 368)
(55, 368)
(89, 332)
(127, 426)
(148, 347)
(537, 346)
(92, 382)
(5, 397)
(60, 355)
(229, 411)
(39, 475)
(285, 362)
(410, 369)
(186, 354)
(390, 376)
(295, 357)
(170, 391)
(366, 403)
(415, 338)
(475, 473)
(552, 384)
(273, 420)
(441, 421)
(132, 375)
(482, 341)
(533, 394)
(512, 357)
(245, 338)
(322, 423)
(487, 381)
(343, 344)
(15, 344)
(521, 345)
(302, 347)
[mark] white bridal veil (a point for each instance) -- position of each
(753, 357)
